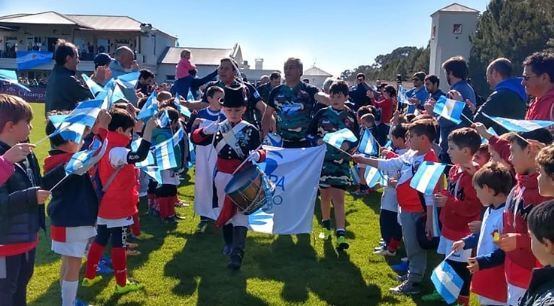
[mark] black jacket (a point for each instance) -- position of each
(541, 288)
(64, 90)
(20, 215)
(74, 202)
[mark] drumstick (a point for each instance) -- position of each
(245, 160)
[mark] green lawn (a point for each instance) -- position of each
(182, 267)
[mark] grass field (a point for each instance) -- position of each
(181, 267)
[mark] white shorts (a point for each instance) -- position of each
(486, 301)
(515, 294)
(73, 249)
(445, 247)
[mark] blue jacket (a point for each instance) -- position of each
(20, 215)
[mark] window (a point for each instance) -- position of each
(457, 29)
(170, 77)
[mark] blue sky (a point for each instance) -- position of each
(335, 35)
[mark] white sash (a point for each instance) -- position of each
(229, 138)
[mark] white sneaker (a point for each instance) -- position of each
(384, 252)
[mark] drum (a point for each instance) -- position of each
(249, 190)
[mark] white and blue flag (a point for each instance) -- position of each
(129, 80)
(183, 110)
(447, 282)
(164, 152)
(514, 125)
(85, 113)
(336, 139)
(492, 132)
(154, 172)
(368, 145)
(149, 161)
(373, 177)
(402, 98)
(82, 161)
(94, 88)
(10, 76)
(449, 109)
(273, 139)
(164, 120)
(31, 59)
(427, 176)
(150, 107)
(290, 209)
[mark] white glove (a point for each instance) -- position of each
(211, 129)
(254, 156)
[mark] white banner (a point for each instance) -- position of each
(295, 173)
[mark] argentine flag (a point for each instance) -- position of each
(150, 107)
(521, 125)
(427, 177)
(82, 161)
(368, 144)
(94, 88)
(85, 113)
(31, 59)
(182, 109)
(129, 80)
(447, 282)
(149, 161)
(449, 109)
(273, 139)
(336, 139)
(492, 132)
(402, 98)
(154, 172)
(164, 152)
(11, 77)
(373, 177)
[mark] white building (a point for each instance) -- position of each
(316, 76)
(451, 29)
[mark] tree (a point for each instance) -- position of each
(513, 29)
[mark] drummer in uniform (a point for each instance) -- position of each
(234, 140)
(335, 174)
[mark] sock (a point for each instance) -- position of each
(393, 245)
(69, 292)
(326, 224)
(119, 261)
(135, 227)
(162, 206)
(463, 300)
(93, 258)
(171, 206)
(341, 232)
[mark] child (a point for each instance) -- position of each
(422, 134)
(166, 193)
(482, 156)
(391, 231)
(492, 185)
(118, 176)
(183, 74)
(335, 174)
(234, 139)
(545, 160)
(22, 212)
(72, 210)
(459, 205)
(205, 197)
(366, 122)
(515, 240)
(541, 230)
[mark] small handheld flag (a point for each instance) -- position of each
(150, 108)
(373, 177)
(94, 88)
(164, 152)
(427, 177)
(149, 161)
(368, 144)
(449, 109)
(336, 139)
(183, 110)
(154, 172)
(402, 98)
(447, 282)
(10, 76)
(164, 120)
(82, 161)
(492, 132)
(129, 80)
(521, 125)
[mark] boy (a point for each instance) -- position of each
(422, 134)
(234, 139)
(515, 240)
(459, 205)
(21, 199)
(391, 231)
(205, 197)
(118, 176)
(492, 185)
(545, 160)
(335, 174)
(72, 210)
(482, 156)
(166, 193)
(541, 230)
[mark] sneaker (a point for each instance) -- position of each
(202, 226)
(402, 278)
(384, 252)
(132, 245)
(407, 287)
(378, 248)
(129, 287)
(179, 217)
(235, 263)
(401, 268)
(88, 282)
(325, 234)
(342, 244)
(432, 297)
